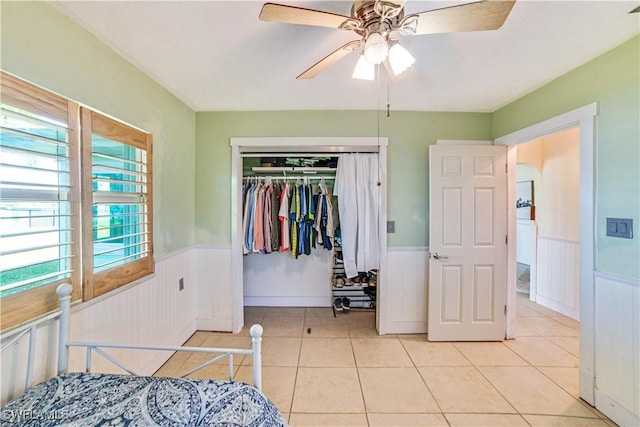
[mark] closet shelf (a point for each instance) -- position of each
(352, 288)
(293, 169)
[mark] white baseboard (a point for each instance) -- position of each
(217, 325)
(616, 412)
(556, 306)
(586, 385)
(400, 327)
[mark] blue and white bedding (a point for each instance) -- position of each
(84, 399)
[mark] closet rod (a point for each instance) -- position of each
(294, 169)
(289, 178)
(296, 155)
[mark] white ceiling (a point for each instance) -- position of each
(217, 55)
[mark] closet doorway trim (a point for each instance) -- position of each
(299, 145)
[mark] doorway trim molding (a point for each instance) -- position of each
(330, 145)
(585, 118)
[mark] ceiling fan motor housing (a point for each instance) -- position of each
(372, 21)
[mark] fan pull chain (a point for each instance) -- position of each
(388, 101)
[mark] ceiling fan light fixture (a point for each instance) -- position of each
(400, 59)
(376, 49)
(364, 70)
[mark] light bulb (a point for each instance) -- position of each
(400, 59)
(364, 70)
(376, 49)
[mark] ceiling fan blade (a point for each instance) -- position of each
(398, 2)
(329, 60)
(477, 16)
(636, 10)
(298, 15)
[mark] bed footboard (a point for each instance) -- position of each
(64, 317)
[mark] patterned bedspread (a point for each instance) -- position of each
(80, 399)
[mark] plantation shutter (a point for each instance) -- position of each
(39, 223)
(117, 191)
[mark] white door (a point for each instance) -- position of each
(467, 242)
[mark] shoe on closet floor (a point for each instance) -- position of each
(370, 291)
(357, 280)
(345, 303)
(337, 304)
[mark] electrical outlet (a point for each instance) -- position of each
(391, 226)
(181, 284)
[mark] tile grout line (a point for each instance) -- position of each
(537, 368)
(355, 361)
(295, 381)
(424, 381)
(499, 392)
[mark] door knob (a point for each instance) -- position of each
(440, 257)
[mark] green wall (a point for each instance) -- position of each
(613, 81)
(409, 133)
(41, 45)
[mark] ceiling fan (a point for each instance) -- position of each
(379, 22)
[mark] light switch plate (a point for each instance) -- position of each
(620, 227)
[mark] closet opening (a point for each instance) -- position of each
(294, 240)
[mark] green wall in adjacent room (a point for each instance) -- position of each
(409, 133)
(41, 45)
(613, 81)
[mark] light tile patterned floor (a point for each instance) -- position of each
(326, 371)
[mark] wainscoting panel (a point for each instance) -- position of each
(525, 230)
(278, 279)
(406, 286)
(213, 274)
(150, 311)
(618, 348)
(153, 311)
(558, 276)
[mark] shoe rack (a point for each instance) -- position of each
(357, 293)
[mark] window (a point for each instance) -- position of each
(74, 207)
(118, 195)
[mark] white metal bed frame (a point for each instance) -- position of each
(64, 316)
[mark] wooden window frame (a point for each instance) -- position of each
(29, 304)
(96, 284)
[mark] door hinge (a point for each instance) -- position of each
(506, 168)
(505, 310)
(506, 239)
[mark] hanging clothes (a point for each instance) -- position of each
(301, 220)
(294, 214)
(266, 220)
(358, 204)
(249, 215)
(318, 219)
(323, 220)
(291, 218)
(275, 222)
(258, 223)
(283, 216)
(246, 190)
(310, 219)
